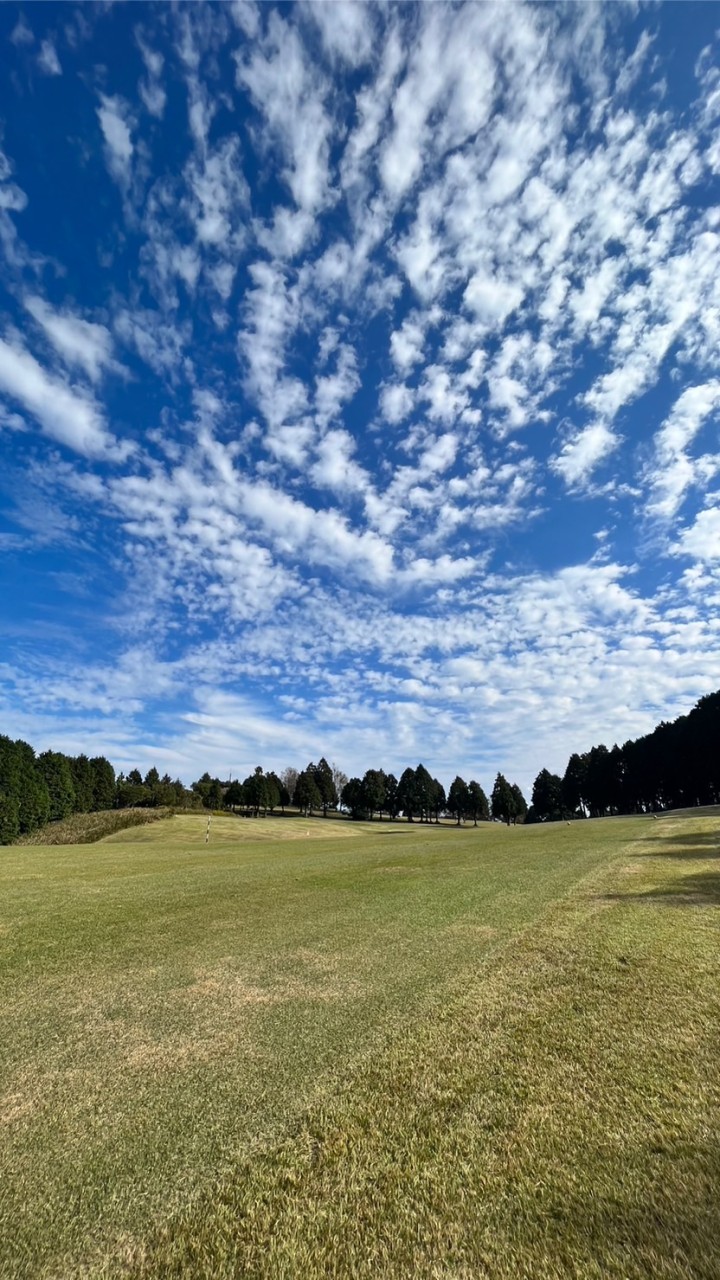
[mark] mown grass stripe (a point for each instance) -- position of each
(559, 1118)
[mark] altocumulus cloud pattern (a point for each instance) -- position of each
(359, 386)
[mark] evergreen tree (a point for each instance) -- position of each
(437, 799)
(547, 797)
(407, 797)
(9, 818)
(255, 791)
(573, 784)
(423, 792)
(353, 797)
(392, 804)
(203, 787)
(213, 798)
(458, 801)
(55, 768)
(103, 788)
(23, 787)
(279, 792)
(32, 793)
(307, 795)
(322, 775)
(597, 780)
(131, 795)
(502, 800)
(234, 797)
(83, 781)
(272, 792)
(373, 791)
(519, 804)
(478, 806)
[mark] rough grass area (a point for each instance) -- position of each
(415, 1052)
(88, 828)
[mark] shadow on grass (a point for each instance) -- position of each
(699, 844)
(699, 890)
(406, 829)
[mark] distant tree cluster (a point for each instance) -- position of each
(676, 766)
(260, 792)
(36, 789)
(39, 789)
(508, 802)
(416, 795)
(133, 791)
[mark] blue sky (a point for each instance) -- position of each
(359, 381)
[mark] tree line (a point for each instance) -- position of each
(37, 789)
(418, 796)
(677, 766)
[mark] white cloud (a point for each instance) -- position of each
(701, 539)
(65, 413)
(333, 390)
(160, 343)
(440, 454)
(115, 121)
(450, 66)
(396, 402)
(672, 471)
(201, 110)
(445, 398)
(289, 92)
(220, 197)
(48, 60)
(587, 303)
(245, 15)
(272, 316)
(21, 33)
(583, 452)
(372, 105)
(11, 421)
(335, 467)
(154, 97)
(11, 197)
(492, 300)
(79, 342)
(406, 346)
(289, 233)
(346, 29)
(323, 537)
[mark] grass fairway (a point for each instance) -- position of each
(371, 1051)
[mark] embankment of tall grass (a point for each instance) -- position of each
(88, 828)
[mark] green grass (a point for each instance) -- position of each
(379, 1050)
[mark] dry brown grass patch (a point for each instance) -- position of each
(16, 1106)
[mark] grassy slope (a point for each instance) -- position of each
(396, 1052)
(88, 828)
